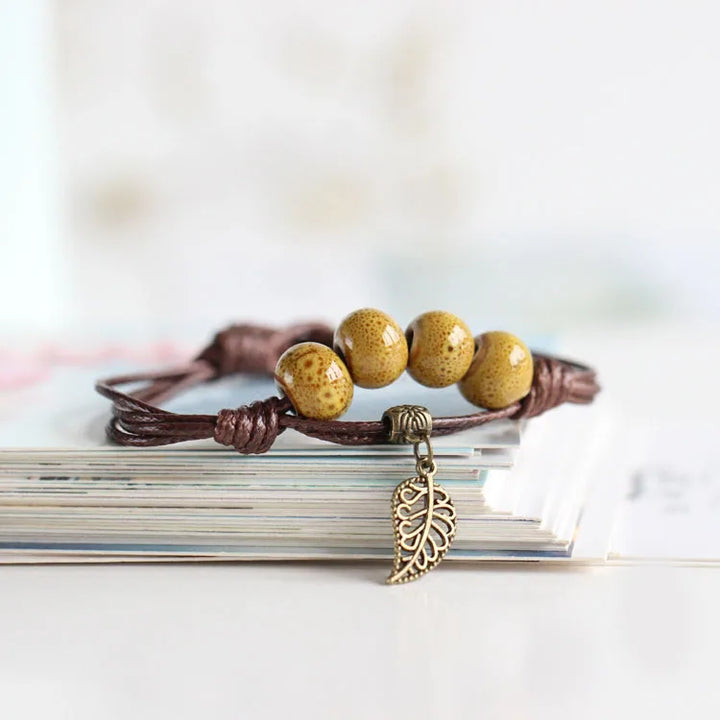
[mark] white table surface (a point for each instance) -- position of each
(331, 641)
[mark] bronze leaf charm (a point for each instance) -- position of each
(424, 521)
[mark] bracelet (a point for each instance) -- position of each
(315, 370)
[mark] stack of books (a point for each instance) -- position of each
(66, 494)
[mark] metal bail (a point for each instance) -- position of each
(408, 423)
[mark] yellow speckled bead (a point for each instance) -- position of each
(501, 372)
(373, 346)
(315, 380)
(441, 348)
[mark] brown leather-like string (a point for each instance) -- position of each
(250, 429)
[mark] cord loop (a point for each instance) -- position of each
(255, 349)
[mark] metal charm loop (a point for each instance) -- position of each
(408, 423)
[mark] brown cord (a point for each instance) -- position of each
(250, 429)
(256, 348)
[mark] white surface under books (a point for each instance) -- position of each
(324, 642)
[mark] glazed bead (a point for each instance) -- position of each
(373, 346)
(315, 380)
(501, 371)
(441, 348)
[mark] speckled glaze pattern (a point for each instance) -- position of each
(373, 347)
(501, 371)
(441, 348)
(315, 380)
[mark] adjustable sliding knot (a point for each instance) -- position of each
(255, 349)
(554, 383)
(251, 429)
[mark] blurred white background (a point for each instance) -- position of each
(534, 166)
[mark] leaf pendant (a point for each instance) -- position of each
(424, 521)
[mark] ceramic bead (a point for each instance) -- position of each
(441, 348)
(315, 380)
(373, 346)
(501, 371)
